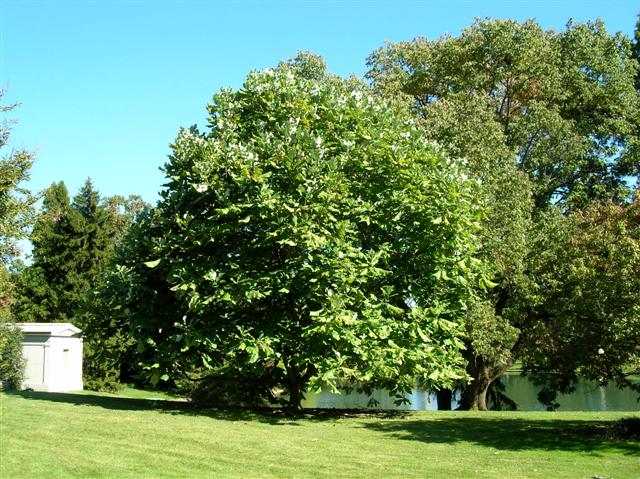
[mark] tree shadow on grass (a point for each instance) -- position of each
(268, 415)
(498, 432)
(510, 434)
(98, 400)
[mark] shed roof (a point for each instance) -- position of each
(52, 329)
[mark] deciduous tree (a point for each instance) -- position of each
(15, 207)
(543, 118)
(315, 235)
(586, 322)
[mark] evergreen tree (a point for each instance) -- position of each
(72, 244)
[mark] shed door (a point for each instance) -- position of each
(34, 354)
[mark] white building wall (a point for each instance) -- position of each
(54, 363)
(66, 361)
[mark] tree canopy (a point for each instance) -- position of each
(15, 207)
(544, 118)
(73, 243)
(565, 101)
(586, 322)
(314, 237)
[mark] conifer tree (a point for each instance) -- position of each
(72, 244)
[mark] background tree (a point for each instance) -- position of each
(73, 243)
(15, 208)
(565, 101)
(549, 114)
(586, 322)
(636, 51)
(15, 200)
(465, 127)
(129, 305)
(123, 210)
(50, 290)
(314, 238)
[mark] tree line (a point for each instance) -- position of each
(470, 204)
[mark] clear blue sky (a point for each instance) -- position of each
(105, 85)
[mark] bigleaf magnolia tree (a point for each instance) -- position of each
(315, 238)
(546, 120)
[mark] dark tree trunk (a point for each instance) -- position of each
(295, 385)
(445, 397)
(474, 395)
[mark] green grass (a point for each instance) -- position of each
(135, 393)
(46, 435)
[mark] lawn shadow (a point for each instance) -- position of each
(498, 432)
(270, 415)
(98, 400)
(510, 434)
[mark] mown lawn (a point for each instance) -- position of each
(93, 435)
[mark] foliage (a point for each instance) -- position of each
(123, 211)
(6, 294)
(15, 209)
(15, 200)
(542, 117)
(587, 321)
(313, 234)
(636, 50)
(51, 289)
(12, 362)
(465, 126)
(565, 101)
(131, 301)
(73, 243)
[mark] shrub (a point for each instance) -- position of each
(12, 362)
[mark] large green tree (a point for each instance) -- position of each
(543, 118)
(565, 101)
(314, 237)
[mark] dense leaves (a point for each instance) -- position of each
(565, 101)
(636, 51)
(543, 118)
(12, 363)
(71, 246)
(587, 322)
(129, 306)
(313, 238)
(15, 208)
(15, 200)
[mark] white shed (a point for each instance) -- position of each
(54, 356)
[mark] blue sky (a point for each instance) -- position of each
(105, 85)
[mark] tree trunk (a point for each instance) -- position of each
(296, 387)
(474, 395)
(445, 397)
